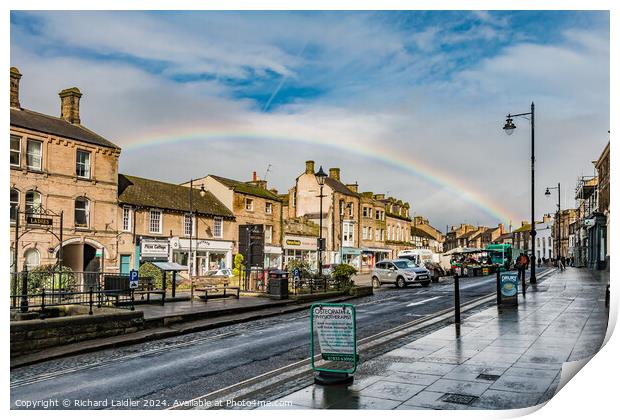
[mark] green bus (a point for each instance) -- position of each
(502, 254)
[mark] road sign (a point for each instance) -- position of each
(296, 274)
(334, 325)
(133, 279)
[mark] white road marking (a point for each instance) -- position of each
(424, 301)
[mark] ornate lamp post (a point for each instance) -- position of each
(509, 127)
(320, 179)
(559, 219)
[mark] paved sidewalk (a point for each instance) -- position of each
(502, 359)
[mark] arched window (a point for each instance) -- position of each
(81, 212)
(32, 258)
(14, 204)
(33, 202)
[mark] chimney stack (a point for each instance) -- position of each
(334, 173)
(352, 187)
(501, 228)
(254, 176)
(15, 76)
(70, 105)
(310, 167)
(379, 196)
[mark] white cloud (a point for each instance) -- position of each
(454, 126)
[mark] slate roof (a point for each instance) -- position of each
(421, 233)
(246, 188)
(339, 187)
(36, 121)
(150, 193)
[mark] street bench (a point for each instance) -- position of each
(218, 291)
(117, 286)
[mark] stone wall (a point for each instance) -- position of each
(38, 334)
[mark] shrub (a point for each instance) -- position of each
(238, 265)
(342, 276)
(149, 270)
(50, 277)
(302, 265)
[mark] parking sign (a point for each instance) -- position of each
(133, 279)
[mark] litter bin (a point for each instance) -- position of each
(278, 284)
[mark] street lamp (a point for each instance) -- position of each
(509, 127)
(320, 179)
(559, 219)
(190, 260)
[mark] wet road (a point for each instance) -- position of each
(159, 373)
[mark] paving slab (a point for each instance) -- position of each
(505, 359)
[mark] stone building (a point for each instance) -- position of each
(436, 239)
(398, 225)
(457, 236)
(521, 238)
(60, 167)
(155, 224)
(300, 241)
(373, 230)
(602, 170)
(566, 218)
(252, 205)
(340, 214)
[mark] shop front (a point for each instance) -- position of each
(596, 241)
(370, 256)
(273, 257)
(300, 248)
(351, 256)
(207, 255)
(151, 249)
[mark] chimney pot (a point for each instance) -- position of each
(70, 105)
(254, 176)
(310, 167)
(334, 173)
(15, 76)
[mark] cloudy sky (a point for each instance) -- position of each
(406, 103)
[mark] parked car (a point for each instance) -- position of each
(399, 272)
(222, 272)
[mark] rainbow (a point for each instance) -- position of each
(396, 159)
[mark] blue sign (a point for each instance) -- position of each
(508, 284)
(133, 279)
(296, 273)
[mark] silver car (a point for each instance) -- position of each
(400, 273)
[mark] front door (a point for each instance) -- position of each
(125, 264)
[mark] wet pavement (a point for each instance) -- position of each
(187, 366)
(498, 359)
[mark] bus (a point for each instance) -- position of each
(502, 254)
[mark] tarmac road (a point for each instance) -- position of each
(157, 374)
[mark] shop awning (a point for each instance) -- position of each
(169, 266)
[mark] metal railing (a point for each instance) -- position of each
(92, 298)
(39, 289)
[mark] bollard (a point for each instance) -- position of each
(499, 294)
(132, 300)
(457, 300)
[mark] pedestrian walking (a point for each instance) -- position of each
(562, 263)
(521, 265)
(539, 262)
